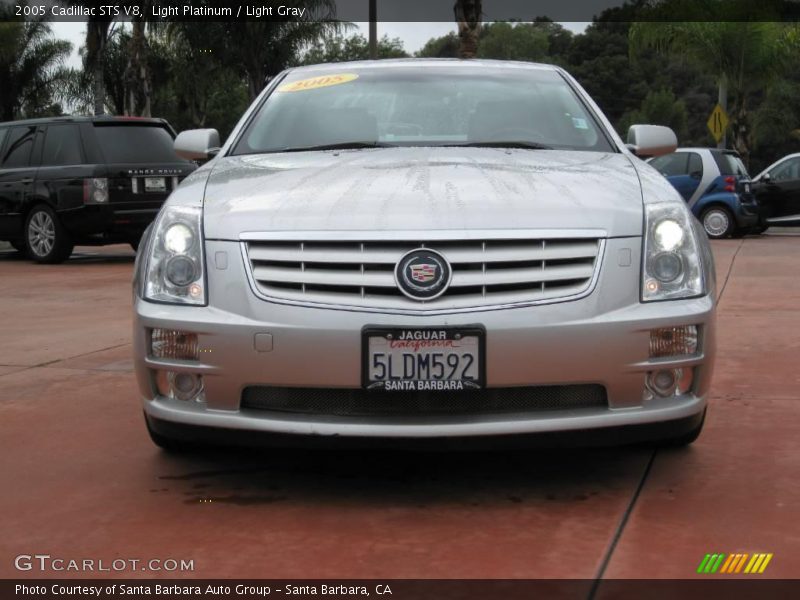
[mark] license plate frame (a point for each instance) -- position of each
(155, 184)
(450, 333)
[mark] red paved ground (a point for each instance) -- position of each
(80, 478)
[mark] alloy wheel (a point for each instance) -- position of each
(41, 233)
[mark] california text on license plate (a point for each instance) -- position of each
(418, 359)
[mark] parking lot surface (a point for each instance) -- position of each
(81, 479)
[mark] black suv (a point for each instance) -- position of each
(83, 180)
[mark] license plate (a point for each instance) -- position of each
(155, 184)
(424, 359)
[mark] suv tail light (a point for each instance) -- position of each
(95, 190)
(730, 184)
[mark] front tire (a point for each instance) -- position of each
(46, 239)
(718, 222)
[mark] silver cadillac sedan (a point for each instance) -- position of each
(424, 249)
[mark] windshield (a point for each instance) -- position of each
(422, 106)
(136, 144)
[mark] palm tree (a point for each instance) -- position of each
(32, 68)
(744, 56)
(138, 72)
(98, 31)
(468, 16)
(262, 49)
(256, 50)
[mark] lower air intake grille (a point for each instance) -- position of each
(356, 402)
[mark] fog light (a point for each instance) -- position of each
(182, 386)
(673, 341)
(185, 386)
(664, 382)
(176, 345)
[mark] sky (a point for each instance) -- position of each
(413, 35)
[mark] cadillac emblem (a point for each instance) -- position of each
(423, 274)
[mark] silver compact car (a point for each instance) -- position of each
(424, 249)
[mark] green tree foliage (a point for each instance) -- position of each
(542, 41)
(192, 85)
(81, 90)
(520, 41)
(445, 46)
(338, 48)
(745, 57)
(256, 50)
(660, 107)
(599, 61)
(777, 122)
(32, 72)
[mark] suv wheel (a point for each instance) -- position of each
(718, 222)
(45, 237)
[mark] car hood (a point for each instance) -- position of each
(422, 189)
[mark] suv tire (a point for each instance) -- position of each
(45, 237)
(718, 222)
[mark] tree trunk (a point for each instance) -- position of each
(468, 17)
(373, 29)
(741, 132)
(722, 99)
(137, 73)
(256, 76)
(96, 38)
(99, 84)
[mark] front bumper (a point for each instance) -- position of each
(601, 339)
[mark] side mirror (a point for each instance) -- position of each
(766, 178)
(197, 144)
(651, 140)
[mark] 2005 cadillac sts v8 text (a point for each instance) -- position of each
(424, 249)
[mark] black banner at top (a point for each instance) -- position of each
(404, 10)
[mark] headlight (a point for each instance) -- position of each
(175, 266)
(672, 266)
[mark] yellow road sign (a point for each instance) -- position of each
(718, 122)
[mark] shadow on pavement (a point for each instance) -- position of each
(79, 257)
(405, 478)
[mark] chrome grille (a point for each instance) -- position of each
(486, 272)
